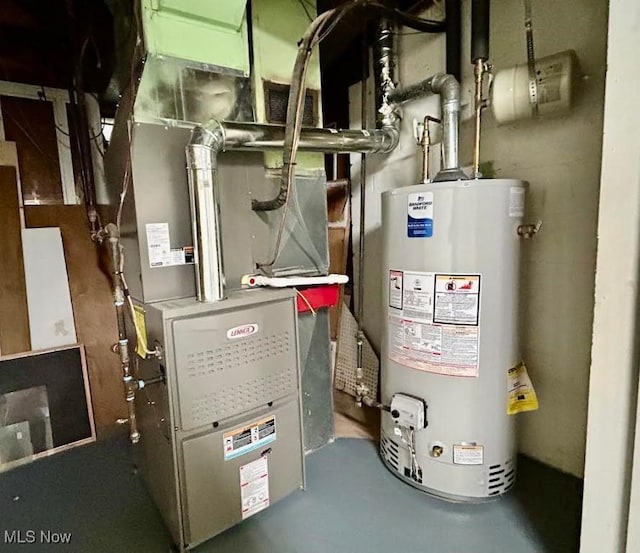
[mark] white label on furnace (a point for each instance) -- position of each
(177, 257)
(516, 202)
(468, 454)
(254, 487)
(158, 244)
(159, 247)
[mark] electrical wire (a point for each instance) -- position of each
(295, 108)
(306, 11)
(317, 31)
(306, 301)
(409, 440)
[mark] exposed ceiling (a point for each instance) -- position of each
(41, 41)
(343, 47)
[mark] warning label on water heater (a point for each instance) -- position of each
(457, 299)
(420, 215)
(468, 454)
(435, 327)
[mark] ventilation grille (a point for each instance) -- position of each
(501, 478)
(214, 406)
(230, 378)
(276, 100)
(234, 356)
(390, 452)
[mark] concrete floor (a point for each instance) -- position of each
(352, 504)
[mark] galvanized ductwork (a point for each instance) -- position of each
(215, 136)
(208, 140)
(202, 161)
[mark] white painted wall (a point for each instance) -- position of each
(612, 462)
(561, 160)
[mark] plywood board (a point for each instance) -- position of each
(48, 299)
(14, 321)
(338, 251)
(9, 156)
(31, 124)
(339, 227)
(93, 308)
(8, 153)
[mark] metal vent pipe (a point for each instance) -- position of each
(210, 139)
(449, 90)
(384, 53)
(204, 196)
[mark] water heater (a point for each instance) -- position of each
(451, 264)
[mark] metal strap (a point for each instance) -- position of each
(531, 60)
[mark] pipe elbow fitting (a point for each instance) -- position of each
(448, 87)
(390, 139)
(211, 135)
(112, 232)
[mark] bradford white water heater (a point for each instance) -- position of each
(451, 263)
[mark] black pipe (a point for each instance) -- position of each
(453, 36)
(408, 20)
(479, 30)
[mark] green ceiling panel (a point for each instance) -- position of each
(278, 25)
(204, 31)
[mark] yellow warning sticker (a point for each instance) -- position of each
(141, 343)
(521, 396)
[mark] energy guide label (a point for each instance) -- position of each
(247, 438)
(434, 322)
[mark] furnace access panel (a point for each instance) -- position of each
(233, 387)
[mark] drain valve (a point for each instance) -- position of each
(437, 451)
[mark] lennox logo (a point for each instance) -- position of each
(242, 331)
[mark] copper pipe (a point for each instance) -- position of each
(425, 142)
(479, 70)
(122, 347)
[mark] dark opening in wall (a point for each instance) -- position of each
(276, 97)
